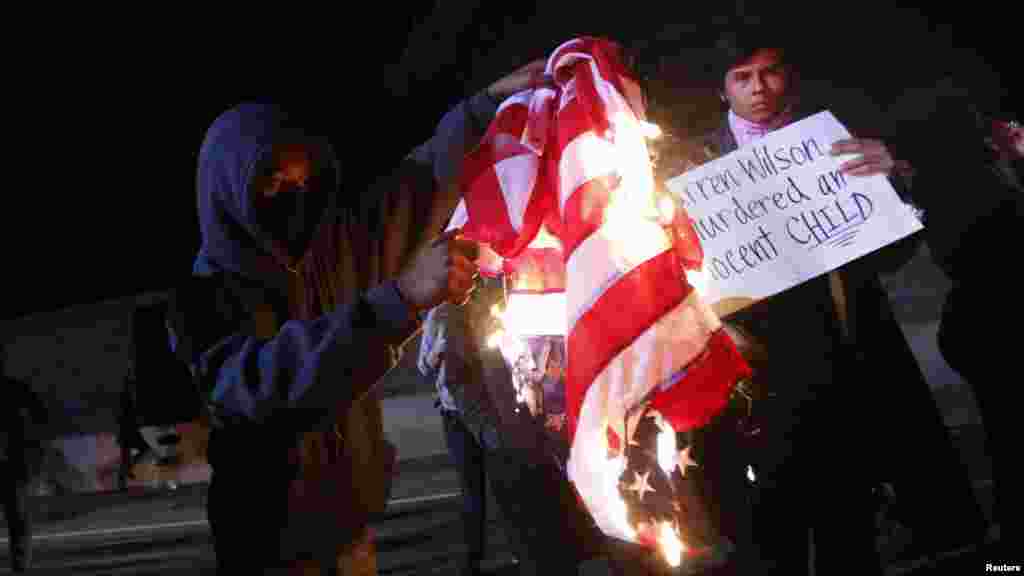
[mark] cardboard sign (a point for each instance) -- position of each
(778, 212)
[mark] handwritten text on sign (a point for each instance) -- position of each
(779, 212)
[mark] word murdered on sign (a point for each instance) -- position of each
(779, 212)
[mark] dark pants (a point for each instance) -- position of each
(816, 477)
(247, 502)
(470, 461)
(999, 414)
(985, 359)
(246, 519)
(804, 504)
(543, 519)
(14, 489)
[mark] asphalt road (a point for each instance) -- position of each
(165, 532)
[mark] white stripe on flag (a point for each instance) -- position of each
(585, 158)
(604, 257)
(568, 94)
(614, 102)
(517, 176)
(459, 217)
(559, 53)
(517, 98)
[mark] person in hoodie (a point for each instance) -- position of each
(296, 305)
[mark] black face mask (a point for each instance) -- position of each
(288, 218)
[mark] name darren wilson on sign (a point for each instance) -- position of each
(779, 212)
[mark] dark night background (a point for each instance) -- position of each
(118, 106)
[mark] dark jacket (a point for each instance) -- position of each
(975, 206)
(284, 357)
(839, 392)
(253, 379)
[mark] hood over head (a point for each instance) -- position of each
(242, 232)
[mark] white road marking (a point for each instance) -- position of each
(203, 522)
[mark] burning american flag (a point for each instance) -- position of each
(564, 169)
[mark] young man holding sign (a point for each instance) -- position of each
(829, 335)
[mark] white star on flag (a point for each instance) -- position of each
(640, 484)
(685, 460)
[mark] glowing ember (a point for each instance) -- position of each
(671, 546)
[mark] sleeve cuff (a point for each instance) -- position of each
(391, 314)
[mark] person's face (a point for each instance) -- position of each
(758, 89)
(292, 167)
(285, 196)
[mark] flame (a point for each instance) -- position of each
(650, 130)
(666, 209)
(750, 474)
(700, 280)
(632, 219)
(671, 546)
(525, 315)
(536, 314)
(667, 451)
(495, 339)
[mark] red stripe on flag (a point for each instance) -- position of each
(705, 388)
(500, 142)
(573, 122)
(592, 103)
(541, 204)
(488, 215)
(628, 308)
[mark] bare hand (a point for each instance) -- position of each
(874, 157)
(534, 397)
(555, 422)
(441, 271)
(529, 76)
(1008, 139)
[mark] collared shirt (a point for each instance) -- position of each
(746, 131)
